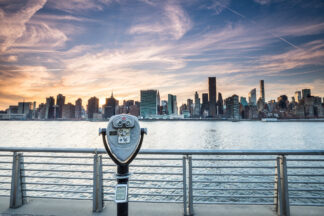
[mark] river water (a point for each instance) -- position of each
(169, 134)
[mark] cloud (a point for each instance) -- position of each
(75, 6)
(173, 24)
(9, 58)
(263, 2)
(218, 6)
(12, 24)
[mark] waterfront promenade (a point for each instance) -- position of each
(51, 207)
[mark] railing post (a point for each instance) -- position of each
(191, 212)
(17, 193)
(97, 195)
(283, 207)
(184, 186)
(276, 194)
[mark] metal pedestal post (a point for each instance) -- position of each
(122, 173)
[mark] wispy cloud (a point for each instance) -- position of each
(174, 23)
(12, 24)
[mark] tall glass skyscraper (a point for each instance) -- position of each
(149, 103)
(252, 97)
(262, 90)
(172, 104)
(212, 96)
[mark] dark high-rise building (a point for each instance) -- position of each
(149, 103)
(49, 113)
(205, 105)
(197, 105)
(262, 90)
(25, 108)
(93, 107)
(232, 107)
(60, 101)
(220, 105)
(252, 97)
(110, 106)
(68, 111)
(172, 104)
(212, 96)
(306, 93)
(78, 108)
(190, 106)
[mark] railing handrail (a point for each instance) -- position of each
(169, 151)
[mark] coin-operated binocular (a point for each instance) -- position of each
(125, 138)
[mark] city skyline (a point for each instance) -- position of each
(94, 48)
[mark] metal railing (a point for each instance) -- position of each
(188, 177)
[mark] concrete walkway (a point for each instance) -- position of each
(51, 207)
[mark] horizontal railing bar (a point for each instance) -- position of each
(5, 169)
(58, 184)
(4, 182)
(53, 170)
(155, 180)
(67, 198)
(69, 164)
(109, 193)
(152, 194)
(5, 175)
(308, 175)
(159, 188)
(203, 181)
(5, 155)
(305, 167)
(5, 189)
(236, 167)
(56, 191)
(305, 204)
(58, 177)
(6, 162)
(156, 173)
(235, 203)
(299, 182)
(304, 159)
(234, 196)
(233, 159)
(306, 197)
(3, 195)
(306, 189)
(168, 151)
(155, 201)
(150, 158)
(160, 166)
(56, 156)
(216, 189)
(229, 174)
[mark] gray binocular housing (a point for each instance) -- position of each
(124, 137)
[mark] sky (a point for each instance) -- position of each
(91, 48)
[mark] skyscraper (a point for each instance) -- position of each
(109, 108)
(172, 104)
(60, 101)
(93, 107)
(252, 97)
(306, 93)
(220, 104)
(205, 105)
(190, 106)
(149, 103)
(49, 113)
(212, 96)
(197, 105)
(297, 96)
(78, 108)
(262, 90)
